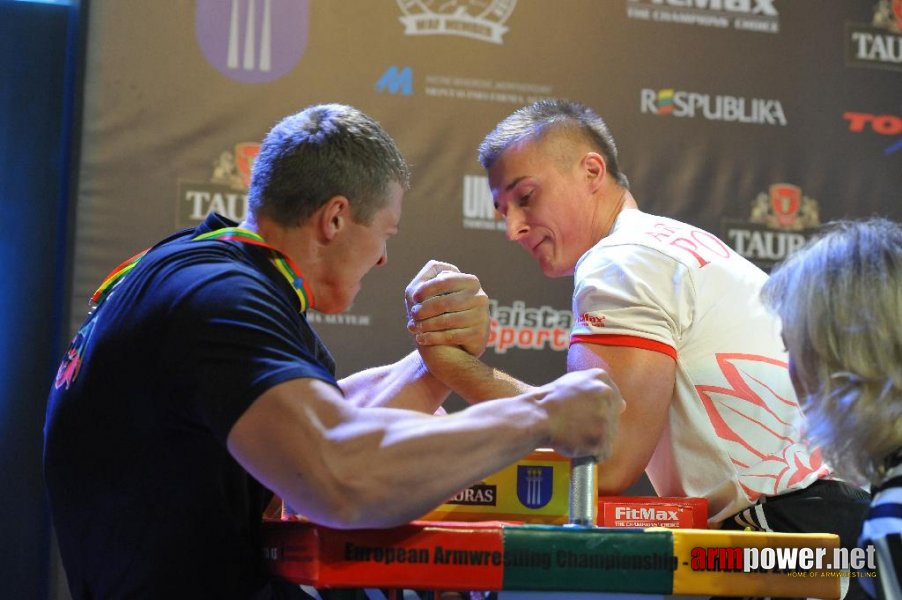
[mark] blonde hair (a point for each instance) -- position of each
(840, 301)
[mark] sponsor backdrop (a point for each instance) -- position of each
(758, 120)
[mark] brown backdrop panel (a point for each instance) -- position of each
(758, 121)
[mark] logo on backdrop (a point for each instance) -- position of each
(396, 81)
(224, 193)
(480, 494)
(693, 105)
(747, 15)
(479, 207)
(339, 319)
(399, 80)
(879, 124)
(782, 220)
(525, 328)
(476, 19)
(878, 45)
(534, 485)
(252, 41)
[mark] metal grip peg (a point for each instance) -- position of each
(583, 506)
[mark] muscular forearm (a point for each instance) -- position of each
(647, 380)
(397, 457)
(345, 466)
(469, 377)
(404, 384)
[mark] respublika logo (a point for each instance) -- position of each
(878, 45)
(747, 15)
(396, 81)
(479, 206)
(782, 220)
(476, 19)
(879, 124)
(713, 107)
(252, 41)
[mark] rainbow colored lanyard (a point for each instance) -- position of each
(283, 264)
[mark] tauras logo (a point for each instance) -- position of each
(878, 44)
(645, 514)
(683, 104)
(480, 494)
(225, 192)
(782, 220)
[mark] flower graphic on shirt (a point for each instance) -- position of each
(71, 363)
(760, 427)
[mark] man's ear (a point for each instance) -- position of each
(333, 216)
(595, 168)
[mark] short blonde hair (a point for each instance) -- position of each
(840, 301)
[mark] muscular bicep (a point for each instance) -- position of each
(283, 441)
(646, 379)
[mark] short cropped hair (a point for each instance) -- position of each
(840, 301)
(538, 120)
(324, 151)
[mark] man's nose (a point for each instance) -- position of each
(516, 224)
(384, 258)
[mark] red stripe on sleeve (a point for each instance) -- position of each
(625, 340)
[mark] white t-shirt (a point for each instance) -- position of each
(733, 431)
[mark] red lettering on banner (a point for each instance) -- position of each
(856, 120)
(542, 337)
(887, 124)
(882, 124)
(504, 337)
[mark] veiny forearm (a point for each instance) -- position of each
(404, 384)
(345, 466)
(399, 465)
(469, 377)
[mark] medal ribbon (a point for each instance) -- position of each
(282, 263)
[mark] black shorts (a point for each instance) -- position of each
(825, 506)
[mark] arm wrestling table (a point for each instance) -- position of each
(497, 556)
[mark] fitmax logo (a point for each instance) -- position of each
(396, 81)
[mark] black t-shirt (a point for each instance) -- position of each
(146, 499)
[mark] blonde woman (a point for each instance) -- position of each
(840, 301)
